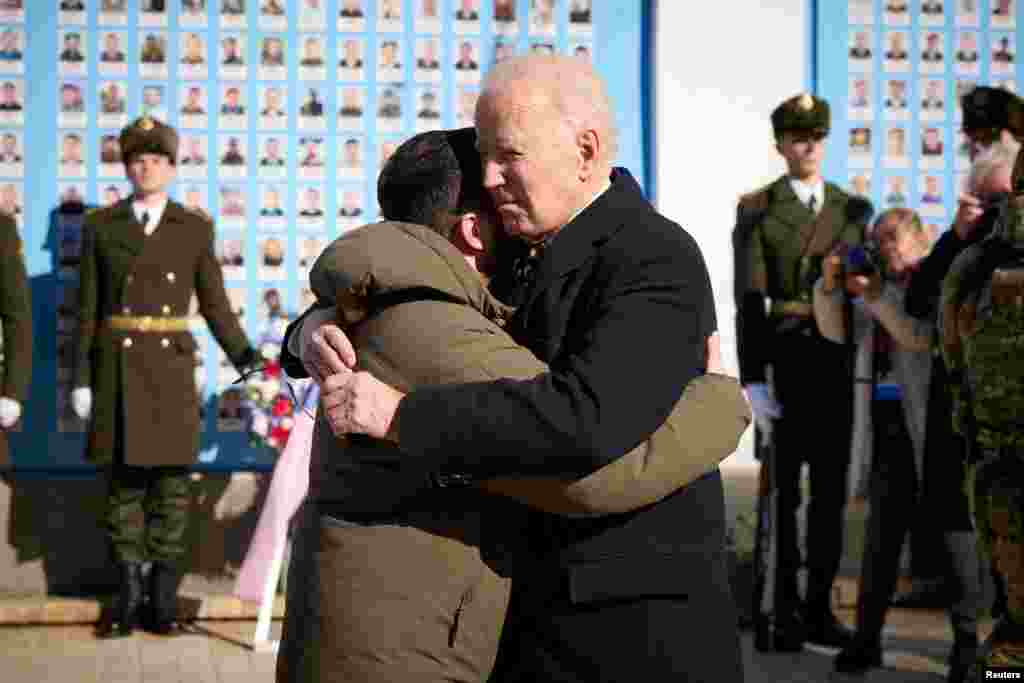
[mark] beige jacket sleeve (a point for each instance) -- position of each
(910, 333)
(913, 334)
(703, 429)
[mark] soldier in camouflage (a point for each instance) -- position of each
(142, 260)
(999, 506)
(982, 334)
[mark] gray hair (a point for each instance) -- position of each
(579, 93)
(1000, 154)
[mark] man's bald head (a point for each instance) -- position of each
(570, 86)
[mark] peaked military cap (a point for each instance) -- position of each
(146, 135)
(987, 107)
(802, 113)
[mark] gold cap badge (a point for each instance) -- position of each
(146, 123)
(806, 102)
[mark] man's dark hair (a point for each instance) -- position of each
(430, 172)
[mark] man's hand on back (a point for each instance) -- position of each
(323, 347)
(359, 403)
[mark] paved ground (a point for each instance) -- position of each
(221, 652)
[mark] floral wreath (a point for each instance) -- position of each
(272, 399)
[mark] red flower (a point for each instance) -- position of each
(272, 369)
(282, 406)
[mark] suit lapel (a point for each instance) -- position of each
(817, 236)
(123, 230)
(574, 244)
(788, 208)
(173, 213)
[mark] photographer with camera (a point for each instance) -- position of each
(898, 347)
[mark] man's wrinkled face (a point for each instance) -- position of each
(531, 161)
(803, 152)
(150, 173)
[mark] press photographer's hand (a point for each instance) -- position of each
(867, 286)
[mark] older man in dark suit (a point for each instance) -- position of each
(593, 599)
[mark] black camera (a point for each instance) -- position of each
(861, 260)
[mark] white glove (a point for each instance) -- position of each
(81, 402)
(762, 401)
(10, 411)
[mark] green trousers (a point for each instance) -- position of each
(148, 512)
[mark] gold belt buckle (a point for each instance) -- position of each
(145, 323)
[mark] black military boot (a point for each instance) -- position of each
(162, 615)
(124, 616)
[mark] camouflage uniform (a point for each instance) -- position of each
(1000, 515)
(982, 328)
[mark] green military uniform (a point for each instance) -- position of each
(982, 331)
(780, 244)
(1000, 517)
(16, 315)
(136, 352)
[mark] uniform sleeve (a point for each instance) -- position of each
(623, 369)
(751, 285)
(215, 307)
(16, 313)
(87, 302)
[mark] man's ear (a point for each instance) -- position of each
(588, 146)
(467, 235)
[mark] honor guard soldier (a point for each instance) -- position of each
(783, 232)
(16, 318)
(142, 260)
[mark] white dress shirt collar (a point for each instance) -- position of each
(804, 191)
(155, 213)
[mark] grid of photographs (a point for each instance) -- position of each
(286, 111)
(908, 63)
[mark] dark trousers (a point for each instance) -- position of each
(148, 512)
(683, 638)
(896, 506)
(813, 385)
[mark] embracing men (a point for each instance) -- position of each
(617, 301)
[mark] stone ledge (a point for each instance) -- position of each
(56, 610)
